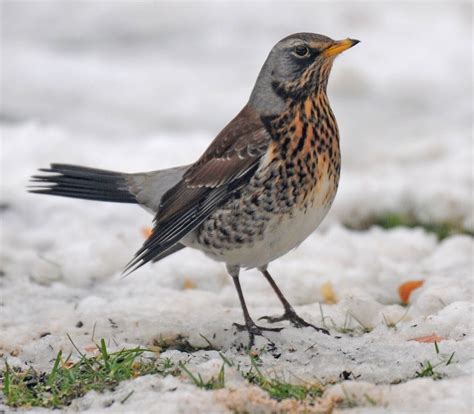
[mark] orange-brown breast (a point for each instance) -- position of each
(306, 147)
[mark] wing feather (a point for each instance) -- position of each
(226, 166)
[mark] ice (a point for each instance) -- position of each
(141, 86)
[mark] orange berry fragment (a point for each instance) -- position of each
(327, 292)
(146, 231)
(429, 339)
(189, 284)
(405, 289)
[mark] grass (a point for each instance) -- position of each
(279, 389)
(348, 326)
(390, 324)
(428, 369)
(214, 383)
(391, 220)
(70, 380)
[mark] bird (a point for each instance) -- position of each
(262, 186)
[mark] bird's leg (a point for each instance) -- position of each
(289, 314)
(250, 326)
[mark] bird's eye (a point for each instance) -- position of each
(301, 51)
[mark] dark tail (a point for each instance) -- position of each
(82, 182)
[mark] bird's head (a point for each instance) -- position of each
(297, 66)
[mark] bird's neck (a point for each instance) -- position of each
(305, 148)
(308, 115)
(306, 129)
(264, 100)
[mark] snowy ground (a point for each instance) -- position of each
(128, 86)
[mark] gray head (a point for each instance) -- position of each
(296, 67)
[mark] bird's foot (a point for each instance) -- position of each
(296, 320)
(254, 330)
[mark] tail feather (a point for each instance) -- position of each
(86, 183)
(82, 182)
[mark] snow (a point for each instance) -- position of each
(129, 87)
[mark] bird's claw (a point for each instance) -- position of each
(296, 320)
(273, 319)
(254, 330)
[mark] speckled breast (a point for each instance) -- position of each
(285, 200)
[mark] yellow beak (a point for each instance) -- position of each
(339, 47)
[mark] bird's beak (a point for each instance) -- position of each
(339, 46)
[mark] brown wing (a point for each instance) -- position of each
(225, 167)
(237, 145)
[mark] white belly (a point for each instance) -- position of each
(282, 233)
